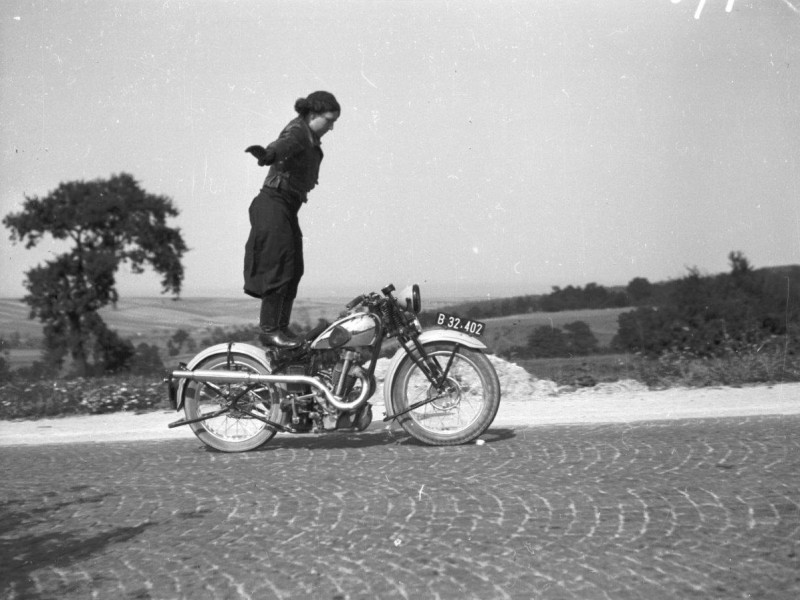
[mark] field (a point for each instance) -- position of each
(506, 332)
(14, 319)
(153, 320)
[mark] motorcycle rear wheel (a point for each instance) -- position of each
(232, 431)
(462, 411)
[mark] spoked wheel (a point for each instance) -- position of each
(458, 412)
(231, 431)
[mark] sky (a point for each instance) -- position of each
(485, 148)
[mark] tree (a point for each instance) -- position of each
(648, 330)
(5, 370)
(580, 339)
(107, 222)
(639, 289)
(547, 342)
(574, 298)
(147, 360)
(739, 264)
(176, 342)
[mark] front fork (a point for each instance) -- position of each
(429, 365)
(432, 370)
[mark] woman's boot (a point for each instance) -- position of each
(270, 323)
(286, 316)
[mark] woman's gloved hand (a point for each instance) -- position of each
(264, 158)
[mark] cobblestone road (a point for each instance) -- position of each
(671, 509)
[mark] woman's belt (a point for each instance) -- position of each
(283, 185)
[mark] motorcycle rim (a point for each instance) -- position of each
(232, 431)
(458, 413)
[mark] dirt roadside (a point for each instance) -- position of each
(590, 405)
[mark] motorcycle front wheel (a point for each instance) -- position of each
(460, 410)
(232, 431)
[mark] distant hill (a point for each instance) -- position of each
(791, 271)
(14, 318)
(154, 319)
(159, 317)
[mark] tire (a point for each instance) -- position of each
(465, 410)
(232, 431)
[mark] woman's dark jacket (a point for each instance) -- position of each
(273, 260)
(294, 158)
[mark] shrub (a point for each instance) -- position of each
(218, 335)
(576, 339)
(766, 363)
(147, 360)
(547, 342)
(5, 371)
(580, 339)
(717, 316)
(81, 396)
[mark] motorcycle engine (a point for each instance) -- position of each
(335, 369)
(342, 378)
(296, 388)
(336, 376)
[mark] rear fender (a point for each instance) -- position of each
(426, 338)
(248, 350)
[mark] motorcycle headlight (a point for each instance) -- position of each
(410, 298)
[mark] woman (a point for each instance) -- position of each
(273, 260)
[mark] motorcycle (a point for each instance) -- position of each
(439, 386)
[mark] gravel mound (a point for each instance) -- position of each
(517, 384)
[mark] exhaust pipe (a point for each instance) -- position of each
(243, 377)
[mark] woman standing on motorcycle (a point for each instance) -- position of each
(273, 261)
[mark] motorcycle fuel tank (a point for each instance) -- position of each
(349, 332)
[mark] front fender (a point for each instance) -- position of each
(249, 350)
(426, 337)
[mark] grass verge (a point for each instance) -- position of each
(82, 396)
(669, 370)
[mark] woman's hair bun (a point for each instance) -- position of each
(301, 106)
(317, 102)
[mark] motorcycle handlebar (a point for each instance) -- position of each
(387, 291)
(355, 302)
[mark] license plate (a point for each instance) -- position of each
(461, 324)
